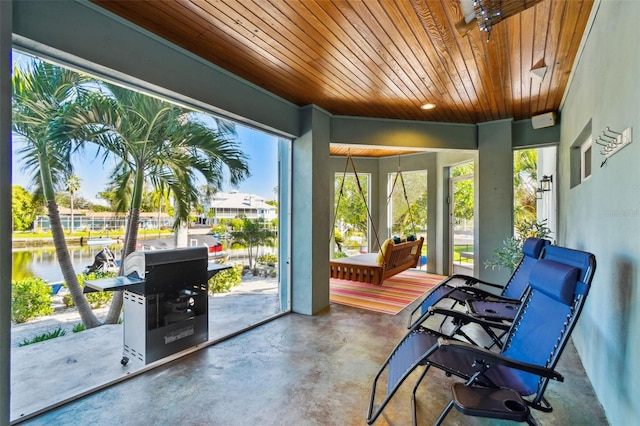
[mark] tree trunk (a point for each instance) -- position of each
(131, 238)
(71, 224)
(250, 250)
(89, 319)
(181, 236)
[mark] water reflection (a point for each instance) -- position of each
(42, 262)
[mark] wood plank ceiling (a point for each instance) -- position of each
(379, 58)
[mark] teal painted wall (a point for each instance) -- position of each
(602, 214)
(494, 207)
(414, 134)
(285, 158)
(525, 136)
(311, 213)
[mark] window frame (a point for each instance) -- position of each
(586, 149)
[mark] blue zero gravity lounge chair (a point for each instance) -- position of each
(464, 289)
(494, 384)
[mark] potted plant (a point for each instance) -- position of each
(509, 255)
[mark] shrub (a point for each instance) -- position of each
(79, 327)
(96, 299)
(237, 246)
(509, 255)
(46, 336)
(338, 238)
(352, 244)
(223, 281)
(267, 259)
(30, 298)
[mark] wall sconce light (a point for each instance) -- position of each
(545, 186)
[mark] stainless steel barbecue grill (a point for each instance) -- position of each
(165, 301)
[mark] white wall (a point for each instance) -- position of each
(547, 205)
(602, 215)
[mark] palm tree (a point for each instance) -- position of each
(44, 99)
(525, 184)
(163, 143)
(73, 184)
(159, 198)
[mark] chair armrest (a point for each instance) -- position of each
(467, 278)
(483, 294)
(491, 358)
(472, 291)
(466, 318)
(474, 281)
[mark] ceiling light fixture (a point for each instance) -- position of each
(487, 13)
(427, 106)
(537, 74)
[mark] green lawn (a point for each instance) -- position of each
(87, 234)
(456, 254)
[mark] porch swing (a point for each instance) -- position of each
(394, 256)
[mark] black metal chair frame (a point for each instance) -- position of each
(464, 290)
(483, 359)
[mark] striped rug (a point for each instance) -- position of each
(391, 297)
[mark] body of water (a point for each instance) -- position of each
(42, 262)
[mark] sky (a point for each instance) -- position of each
(260, 148)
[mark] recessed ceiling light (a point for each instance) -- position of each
(428, 106)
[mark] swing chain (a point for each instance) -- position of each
(360, 190)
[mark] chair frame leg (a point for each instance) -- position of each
(444, 413)
(414, 416)
(373, 415)
(449, 406)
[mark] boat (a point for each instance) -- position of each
(104, 261)
(99, 241)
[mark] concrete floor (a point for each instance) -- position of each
(49, 373)
(299, 370)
